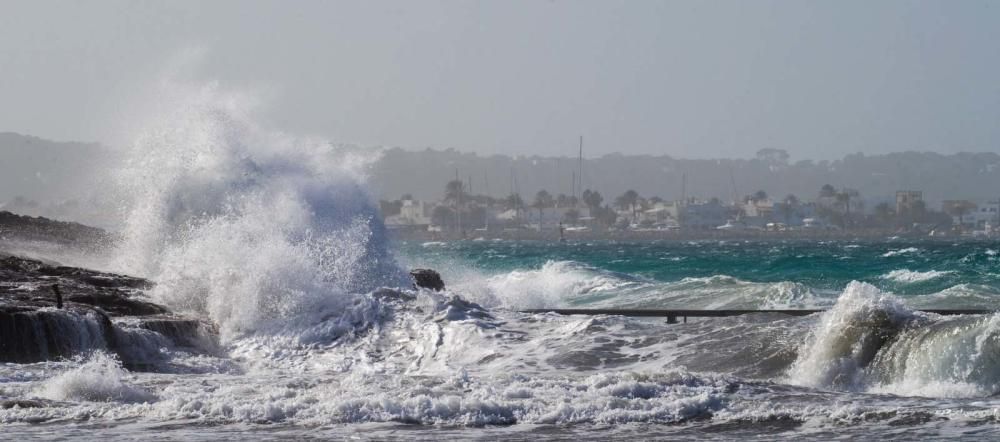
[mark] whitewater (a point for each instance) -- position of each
(315, 329)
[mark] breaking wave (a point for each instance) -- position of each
(909, 276)
(252, 228)
(869, 341)
(573, 284)
(100, 379)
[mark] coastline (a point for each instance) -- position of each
(667, 235)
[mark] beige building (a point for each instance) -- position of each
(906, 198)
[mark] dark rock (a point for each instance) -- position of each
(427, 278)
(32, 328)
(6, 404)
(45, 334)
(184, 332)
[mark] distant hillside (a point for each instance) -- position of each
(58, 179)
(423, 174)
(16, 227)
(53, 179)
(38, 169)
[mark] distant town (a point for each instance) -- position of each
(452, 194)
(829, 211)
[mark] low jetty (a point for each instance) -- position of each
(673, 315)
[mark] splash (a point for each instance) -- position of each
(100, 379)
(870, 342)
(571, 283)
(908, 276)
(250, 227)
(848, 337)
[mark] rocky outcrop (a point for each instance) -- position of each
(427, 278)
(97, 311)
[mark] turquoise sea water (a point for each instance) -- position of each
(411, 364)
(698, 274)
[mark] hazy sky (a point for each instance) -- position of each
(688, 79)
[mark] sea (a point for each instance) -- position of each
(276, 241)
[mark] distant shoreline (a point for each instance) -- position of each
(662, 235)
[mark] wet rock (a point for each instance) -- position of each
(28, 335)
(6, 404)
(183, 332)
(427, 278)
(33, 328)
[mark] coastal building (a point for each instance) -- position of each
(986, 216)
(963, 212)
(757, 213)
(905, 199)
(412, 215)
(663, 213)
(704, 215)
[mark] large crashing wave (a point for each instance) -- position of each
(250, 227)
(870, 342)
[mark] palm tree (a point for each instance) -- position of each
(542, 200)
(513, 202)
(827, 191)
(844, 199)
(631, 198)
(592, 199)
(453, 191)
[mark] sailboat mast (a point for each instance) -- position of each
(458, 211)
(580, 163)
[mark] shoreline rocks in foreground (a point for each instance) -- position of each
(100, 311)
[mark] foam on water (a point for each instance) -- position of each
(100, 379)
(898, 252)
(556, 283)
(574, 284)
(909, 276)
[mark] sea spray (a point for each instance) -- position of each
(848, 337)
(100, 378)
(249, 227)
(953, 357)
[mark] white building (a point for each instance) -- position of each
(413, 214)
(986, 214)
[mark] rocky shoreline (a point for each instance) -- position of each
(97, 311)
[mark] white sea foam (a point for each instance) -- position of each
(554, 284)
(848, 337)
(869, 342)
(898, 252)
(252, 228)
(909, 276)
(100, 379)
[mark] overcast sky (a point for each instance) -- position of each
(689, 79)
